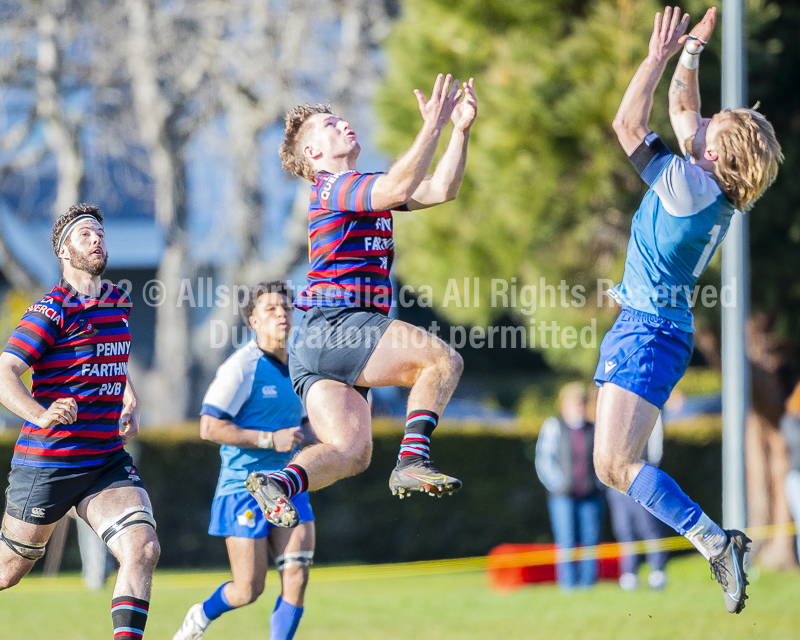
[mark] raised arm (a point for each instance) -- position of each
(16, 397)
(630, 123)
(396, 187)
(446, 180)
(684, 91)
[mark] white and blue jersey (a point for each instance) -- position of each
(253, 390)
(682, 220)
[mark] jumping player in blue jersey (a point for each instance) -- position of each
(81, 410)
(252, 411)
(731, 159)
(346, 342)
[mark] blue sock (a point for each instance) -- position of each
(284, 620)
(217, 604)
(661, 496)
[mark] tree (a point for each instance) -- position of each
(145, 79)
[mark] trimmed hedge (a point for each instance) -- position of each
(358, 520)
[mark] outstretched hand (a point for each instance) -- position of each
(667, 38)
(437, 111)
(465, 111)
(703, 29)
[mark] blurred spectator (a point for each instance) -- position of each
(790, 428)
(564, 465)
(632, 523)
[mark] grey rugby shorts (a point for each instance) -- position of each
(334, 343)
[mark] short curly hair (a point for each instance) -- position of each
(254, 293)
(291, 149)
(63, 220)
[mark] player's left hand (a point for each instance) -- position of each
(667, 37)
(703, 29)
(465, 111)
(129, 422)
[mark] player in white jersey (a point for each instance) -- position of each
(731, 159)
(252, 411)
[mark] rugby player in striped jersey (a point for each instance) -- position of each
(81, 410)
(346, 342)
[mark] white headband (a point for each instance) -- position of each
(65, 233)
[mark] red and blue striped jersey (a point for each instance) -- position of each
(350, 246)
(76, 347)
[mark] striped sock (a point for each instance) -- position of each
(293, 478)
(416, 444)
(129, 615)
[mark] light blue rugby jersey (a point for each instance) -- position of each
(683, 218)
(254, 391)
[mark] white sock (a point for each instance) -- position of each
(202, 619)
(707, 537)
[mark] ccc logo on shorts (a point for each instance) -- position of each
(37, 512)
(269, 391)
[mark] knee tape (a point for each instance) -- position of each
(28, 550)
(130, 519)
(294, 559)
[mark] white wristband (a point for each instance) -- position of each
(690, 58)
(266, 440)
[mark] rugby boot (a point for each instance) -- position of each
(728, 569)
(277, 507)
(421, 475)
(192, 627)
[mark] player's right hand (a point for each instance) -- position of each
(62, 411)
(444, 98)
(287, 439)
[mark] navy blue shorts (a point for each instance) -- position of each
(334, 343)
(644, 354)
(239, 515)
(43, 495)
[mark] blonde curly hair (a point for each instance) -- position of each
(291, 149)
(749, 155)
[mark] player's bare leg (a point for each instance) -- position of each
(404, 356)
(293, 550)
(408, 356)
(24, 538)
(122, 518)
(624, 423)
(249, 563)
(343, 426)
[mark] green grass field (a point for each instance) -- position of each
(349, 603)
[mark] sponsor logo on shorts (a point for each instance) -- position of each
(132, 474)
(610, 364)
(37, 512)
(247, 519)
(269, 391)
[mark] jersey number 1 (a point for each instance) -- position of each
(708, 251)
